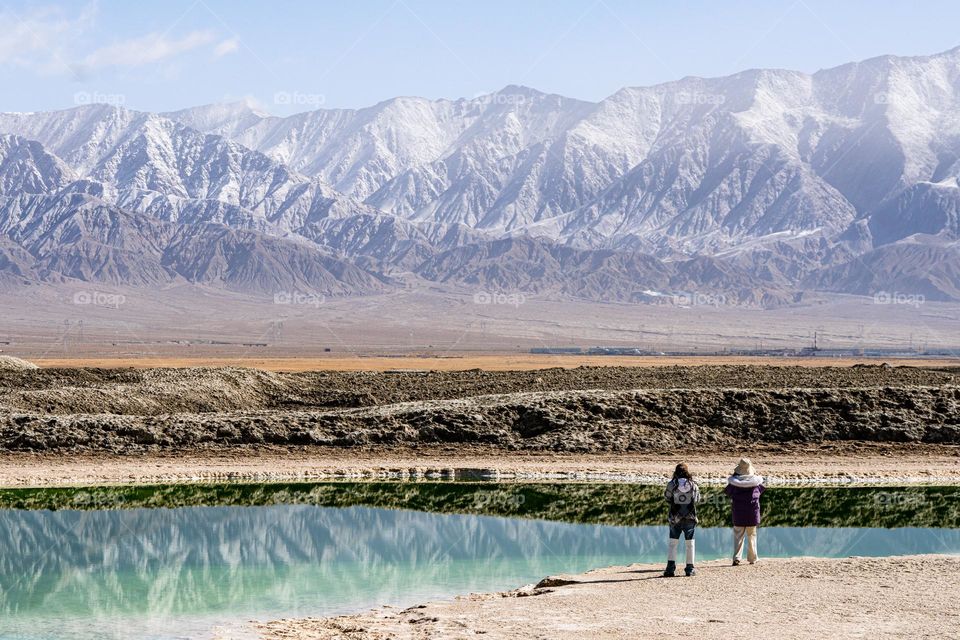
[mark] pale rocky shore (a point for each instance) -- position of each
(801, 598)
(840, 464)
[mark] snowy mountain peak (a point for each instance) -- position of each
(806, 172)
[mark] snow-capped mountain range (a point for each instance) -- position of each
(760, 185)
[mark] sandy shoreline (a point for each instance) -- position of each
(878, 464)
(464, 361)
(778, 598)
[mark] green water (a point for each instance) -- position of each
(192, 561)
(597, 503)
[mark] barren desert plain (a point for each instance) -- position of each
(98, 423)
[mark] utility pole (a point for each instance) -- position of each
(276, 331)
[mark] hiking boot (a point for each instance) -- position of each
(690, 570)
(671, 569)
(736, 562)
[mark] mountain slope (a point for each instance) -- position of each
(55, 227)
(26, 167)
(756, 186)
(77, 236)
(152, 162)
(702, 165)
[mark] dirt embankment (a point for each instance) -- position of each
(572, 410)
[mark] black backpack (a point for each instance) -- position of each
(683, 506)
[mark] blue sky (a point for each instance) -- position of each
(297, 55)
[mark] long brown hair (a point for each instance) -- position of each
(682, 472)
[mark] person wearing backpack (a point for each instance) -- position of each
(745, 488)
(682, 494)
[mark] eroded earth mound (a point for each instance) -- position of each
(588, 409)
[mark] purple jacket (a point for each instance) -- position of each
(745, 492)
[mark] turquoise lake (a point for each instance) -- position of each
(189, 571)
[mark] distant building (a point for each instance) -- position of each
(556, 350)
(621, 351)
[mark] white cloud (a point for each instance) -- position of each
(39, 38)
(227, 47)
(54, 40)
(153, 47)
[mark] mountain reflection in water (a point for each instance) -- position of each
(168, 572)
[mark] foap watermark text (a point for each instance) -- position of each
(99, 299)
(299, 298)
(494, 298)
(299, 99)
(697, 299)
(895, 297)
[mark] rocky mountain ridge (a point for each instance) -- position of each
(752, 189)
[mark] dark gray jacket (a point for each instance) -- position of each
(683, 496)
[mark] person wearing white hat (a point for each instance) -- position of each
(745, 488)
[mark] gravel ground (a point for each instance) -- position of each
(800, 465)
(164, 390)
(651, 420)
(583, 410)
(899, 597)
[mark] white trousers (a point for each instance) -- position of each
(751, 535)
(690, 548)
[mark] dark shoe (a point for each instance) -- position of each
(736, 562)
(671, 569)
(690, 570)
